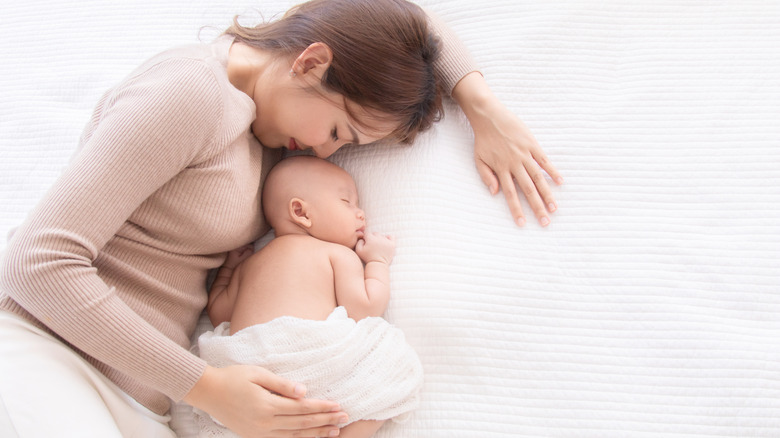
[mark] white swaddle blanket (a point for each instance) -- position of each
(367, 366)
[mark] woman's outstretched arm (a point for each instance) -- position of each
(506, 153)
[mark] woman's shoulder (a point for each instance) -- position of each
(184, 87)
(199, 66)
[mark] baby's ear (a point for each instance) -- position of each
(299, 213)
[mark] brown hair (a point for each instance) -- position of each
(383, 55)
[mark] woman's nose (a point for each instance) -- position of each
(328, 148)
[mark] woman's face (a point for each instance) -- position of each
(296, 118)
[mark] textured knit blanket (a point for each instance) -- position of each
(366, 366)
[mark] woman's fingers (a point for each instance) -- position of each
(254, 402)
(488, 176)
(535, 187)
(296, 416)
(510, 194)
(288, 401)
(321, 423)
(306, 406)
(544, 191)
(307, 417)
(541, 159)
(279, 385)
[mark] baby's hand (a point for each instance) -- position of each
(375, 247)
(238, 255)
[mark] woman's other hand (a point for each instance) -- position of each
(253, 402)
(506, 152)
(238, 255)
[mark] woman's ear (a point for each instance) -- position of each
(314, 59)
(299, 212)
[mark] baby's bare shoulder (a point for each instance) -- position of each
(299, 246)
(340, 254)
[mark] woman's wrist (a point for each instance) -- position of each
(472, 90)
(475, 98)
(200, 389)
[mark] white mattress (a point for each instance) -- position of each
(650, 306)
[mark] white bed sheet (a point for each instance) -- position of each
(650, 306)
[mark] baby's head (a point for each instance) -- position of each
(309, 195)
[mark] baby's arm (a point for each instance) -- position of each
(365, 291)
(376, 251)
(220, 306)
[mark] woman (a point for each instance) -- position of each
(104, 282)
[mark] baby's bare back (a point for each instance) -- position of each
(291, 276)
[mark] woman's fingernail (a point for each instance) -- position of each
(559, 180)
(299, 390)
(334, 432)
(552, 207)
(520, 221)
(544, 221)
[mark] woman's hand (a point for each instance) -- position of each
(238, 255)
(505, 151)
(253, 402)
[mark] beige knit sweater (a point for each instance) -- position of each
(165, 181)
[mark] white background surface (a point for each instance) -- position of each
(650, 306)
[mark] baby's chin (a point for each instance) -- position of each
(351, 244)
(354, 245)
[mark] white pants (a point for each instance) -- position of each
(48, 390)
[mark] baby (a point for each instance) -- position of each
(308, 305)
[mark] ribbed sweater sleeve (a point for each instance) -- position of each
(149, 131)
(455, 61)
